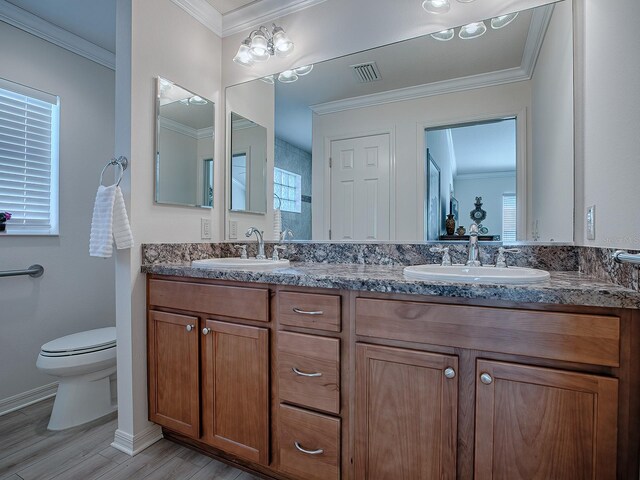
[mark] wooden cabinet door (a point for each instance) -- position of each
(174, 381)
(538, 423)
(235, 370)
(405, 414)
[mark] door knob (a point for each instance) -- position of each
(486, 378)
(449, 372)
(205, 331)
(190, 327)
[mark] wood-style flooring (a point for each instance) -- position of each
(28, 451)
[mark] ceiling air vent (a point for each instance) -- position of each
(366, 72)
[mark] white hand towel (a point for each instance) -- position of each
(101, 239)
(121, 228)
(109, 221)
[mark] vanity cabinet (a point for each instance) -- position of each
(300, 383)
(209, 378)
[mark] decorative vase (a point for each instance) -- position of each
(450, 224)
(461, 230)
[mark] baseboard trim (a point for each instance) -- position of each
(134, 444)
(16, 402)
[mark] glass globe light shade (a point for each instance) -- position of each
(282, 44)
(503, 20)
(472, 30)
(444, 35)
(243, 57)
(259, 49)
(303, 70)
(268, 79)
(436, 6)
(288, 76)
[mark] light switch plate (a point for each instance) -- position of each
(233, 230)
(591, 222)
(205, 228)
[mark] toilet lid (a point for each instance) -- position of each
(81, 342)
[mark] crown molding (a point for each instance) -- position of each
(430, 89)
(262, 12)
(535, 38)
(203, 12)
(178, 127)
(35, 25)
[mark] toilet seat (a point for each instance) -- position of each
(81, 343)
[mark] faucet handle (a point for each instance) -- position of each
(243, 253)
(286, 233)
(446, 259)
(275, 256)
(501, 260)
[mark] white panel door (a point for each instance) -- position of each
(360, 203)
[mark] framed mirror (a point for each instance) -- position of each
(247, 166)
(184, 146)
(495, 112)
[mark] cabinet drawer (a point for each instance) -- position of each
(309, 371)
(581, 338)
(309, 444)
(310, 310)
(235, 302)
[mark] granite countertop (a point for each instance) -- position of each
(568, 288)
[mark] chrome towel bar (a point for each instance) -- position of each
(34, 271)
(620, 256)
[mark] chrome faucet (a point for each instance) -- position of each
(473, 257)
(251, 231)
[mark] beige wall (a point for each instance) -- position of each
(154, 37)
(77, 291)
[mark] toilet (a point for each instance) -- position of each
(83, 363)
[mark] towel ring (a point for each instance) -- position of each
(121, 162)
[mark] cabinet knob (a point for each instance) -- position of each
(303, 374)
(308, 452)
(486, 378)
(449, 372)
(190, 327)
(205, 331)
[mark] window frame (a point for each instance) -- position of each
(297, 188)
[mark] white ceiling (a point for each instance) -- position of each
(226, 6)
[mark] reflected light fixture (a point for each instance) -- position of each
(436, 6)
(444, 35)
(472, 30)
(194, 100)
(261, 44)
(288, 76)
(503, 20)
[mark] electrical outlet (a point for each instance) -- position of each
(205, 228)
(233, 230)
(591, 222)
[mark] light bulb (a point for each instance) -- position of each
(436, 6)
(243, 57)
(472, 30)
(288, 76)
(303, 70)
(444, 35)
(503, 20)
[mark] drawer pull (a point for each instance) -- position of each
(308, 452)
(304, 312)
(302, 374)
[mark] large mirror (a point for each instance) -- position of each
(184, 146)
(410, 141)
(248, 165)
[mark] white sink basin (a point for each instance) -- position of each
(488, 274)
(240, 264)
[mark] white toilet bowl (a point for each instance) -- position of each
(83, 363)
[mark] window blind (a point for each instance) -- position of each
(508, 217)
(28, 159)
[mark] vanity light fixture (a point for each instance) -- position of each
(503, 20)
(288, 76)
(472, 30)
(195, 100)
(261, 44)
(268, 79)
